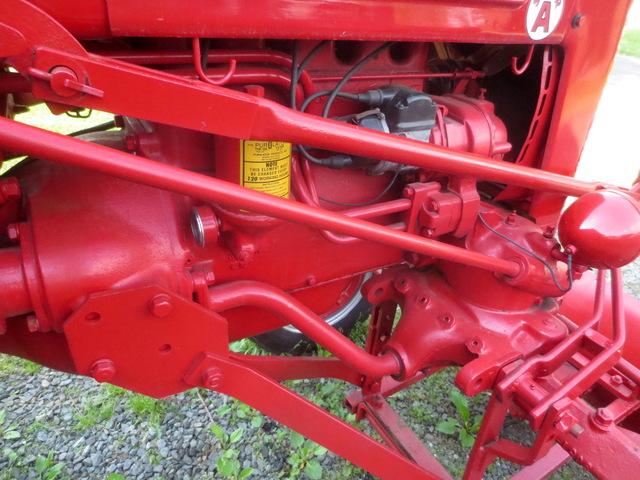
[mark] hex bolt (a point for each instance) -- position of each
(511, 218)
(211, 378)
(103, 370)
(33, 324)
(603, 418)
(13, 232)
(131, 142)
(408, 192)
(616, 379)
(160, 305)
(549, 232)
(9, 189)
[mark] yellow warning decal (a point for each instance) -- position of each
(266, 167)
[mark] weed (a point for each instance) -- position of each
(148, 407)
(115, 476)
(247, 347)
(95, 411)
(47, 470)
(226, 440)
(241, 411)
(468, 427)
(7, 432)
(229, 466)
(303, 459)
(12, 463)
(12, 365)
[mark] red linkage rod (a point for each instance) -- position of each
(250, 117)
(40, 143)
(276, 122)
(238, 294)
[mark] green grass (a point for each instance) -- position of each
(630, 42)
(10, 365)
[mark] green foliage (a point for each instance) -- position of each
(95, 411)
(12, 462)
(7, 432)
(230, 468)
(228, 464)
(304, 458)
(466, 427)
(12, 365)
(630, 42)
(247, 347)
(47, 469)
(115, 476)
(151, 408)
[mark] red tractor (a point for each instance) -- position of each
(276, 169)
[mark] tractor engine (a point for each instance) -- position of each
(279, 172)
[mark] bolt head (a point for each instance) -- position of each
(160, 305)
(9, 189)
(408, 192)
(616, 380)
(212, 377)
(130, 142)
(603, 418)
(13, 232)
(33, 324)
(103, 370)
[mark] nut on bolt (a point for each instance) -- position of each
(603, 418)
(103, 370)
(160, 305)
(33, 324)
(13, 232)
(212, 377)
(9, 189)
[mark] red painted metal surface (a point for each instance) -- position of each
(137, 255)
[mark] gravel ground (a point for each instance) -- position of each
(94, 431)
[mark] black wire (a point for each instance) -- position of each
(334, 93)
(314, 51)
(351, 73)
(294, 76)
(96, 128)
(322, 93)
(296, 71)
(369, 202)
(537, 257)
